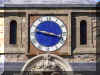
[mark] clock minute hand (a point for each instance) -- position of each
(49, 33)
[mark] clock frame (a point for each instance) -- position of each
(48, 33)
(64, 50)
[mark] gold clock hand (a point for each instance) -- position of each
(49, 33)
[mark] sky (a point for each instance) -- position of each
(97, 0)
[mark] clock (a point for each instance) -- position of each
(48, 33)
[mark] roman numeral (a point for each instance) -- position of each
(56, 20)
(62, 41)
(39, 46)
(40, 20)
(33, 40)
(48, 18)
(32, 33)
(62, 26)
(63, 33)
(34, 25)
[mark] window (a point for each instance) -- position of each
(13, 31)
(83, 32)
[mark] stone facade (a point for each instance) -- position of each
(21, 16)
(75, 53)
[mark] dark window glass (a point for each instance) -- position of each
(83, 32)
(13, 31)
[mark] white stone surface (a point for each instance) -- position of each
(1, 64)
(48, 1)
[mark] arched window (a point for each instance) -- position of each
(83, 32)
(13, 31)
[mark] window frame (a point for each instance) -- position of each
(13, 32)
(83, 32)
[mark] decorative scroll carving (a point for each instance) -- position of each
(46, 64)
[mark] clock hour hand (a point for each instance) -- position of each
(48, 33)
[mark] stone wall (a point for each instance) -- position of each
(21, 44)
(1, 32)
(20, 52)
(90, 47)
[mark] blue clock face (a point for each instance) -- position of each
(48, 33)
(47, 39)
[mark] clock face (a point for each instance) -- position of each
(48, 33)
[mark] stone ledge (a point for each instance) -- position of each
(84, 50)
(14, 50)
(15, 66)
